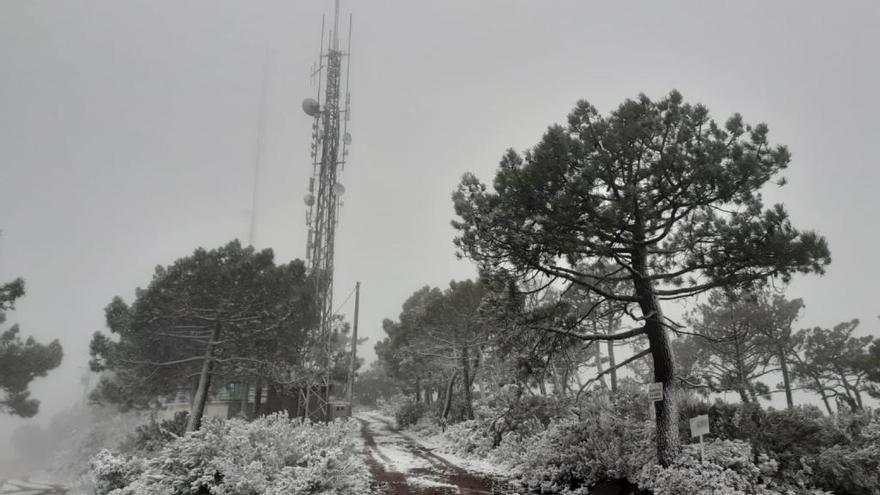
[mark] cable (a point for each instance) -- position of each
(346, 299)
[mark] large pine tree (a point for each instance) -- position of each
(657, 191)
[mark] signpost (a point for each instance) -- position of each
(700, 427)
(655, 391)
(655, 394)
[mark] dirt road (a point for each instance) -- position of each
(403, 466)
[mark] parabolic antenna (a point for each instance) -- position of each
(309, 199)
(311, 107)
(346, 138)
(338, 189)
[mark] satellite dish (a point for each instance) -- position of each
(338, 189)
(346, 138)
(309, 199)
(311, 107)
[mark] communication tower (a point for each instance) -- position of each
(329, 150)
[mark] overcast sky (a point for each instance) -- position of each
(128, 133)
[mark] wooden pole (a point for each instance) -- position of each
(354, 339)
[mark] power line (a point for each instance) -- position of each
(346, 299)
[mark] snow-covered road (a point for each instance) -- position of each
(402, 465)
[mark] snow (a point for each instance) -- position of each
(395, 450)
(483, 466)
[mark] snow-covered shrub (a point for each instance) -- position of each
(391, 405)
(113, 472)
(154, 435)
(848, 470)
(467, 438)
(428, 425)
(271, 455)
(409, 413)
(574, 453)
(510, 410)
(727, 469)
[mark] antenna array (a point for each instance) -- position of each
(329, 151)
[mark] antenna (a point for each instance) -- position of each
(330, 139)
(258, 158)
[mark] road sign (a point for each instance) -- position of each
(655, 391)
(699, 426)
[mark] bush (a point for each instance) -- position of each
(153, 436)
(604, 443)
(852, 468)
(789, 435)
(390, 406)
(467, 438)
(509, 410)
(847, 470)
(271, 455)
(409, 413)
(727, 469)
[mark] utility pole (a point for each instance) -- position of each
(354, 340)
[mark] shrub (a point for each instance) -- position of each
(848, 470)
(114, 472)
(574, 453)
(271, 455)
(789, 435)
(467, 438)
(727, 469)
(409, 413)
(390, 406)
(509, 410)
(153, 436)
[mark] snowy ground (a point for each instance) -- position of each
(404, 465)
(25, 487)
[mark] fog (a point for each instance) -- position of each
(128, 135)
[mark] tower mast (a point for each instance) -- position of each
(330, 140)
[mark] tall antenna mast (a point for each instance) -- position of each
(330, 140)
(258, 158)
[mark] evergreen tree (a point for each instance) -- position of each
(21, 360)
(657, 192)
(229, 313)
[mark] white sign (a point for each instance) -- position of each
(700, 426)
(655, 391)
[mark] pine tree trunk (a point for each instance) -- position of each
(786, 379)
(661, 352)
(745, 389)
(824, 397)
(613, 364)
(245, 391)
(198, 409)
(597, 355)
(258, 400)
(466, 382)
(448, 397)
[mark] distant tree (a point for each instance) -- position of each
(398, 351)
(438, 343)
(229, 313)
(657, 192)
(832, 363)
(872, 369)
(778, 334)
(21, 360)
(374, 384)
(454, 332)
(731, 351)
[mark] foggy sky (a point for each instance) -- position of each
(128, 134)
